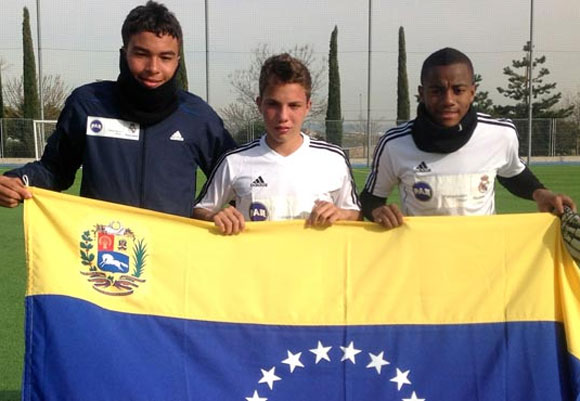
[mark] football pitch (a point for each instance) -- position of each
(559, 178)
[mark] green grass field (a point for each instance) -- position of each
(559, 178)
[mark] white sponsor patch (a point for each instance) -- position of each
(112, 128)
(455, 191)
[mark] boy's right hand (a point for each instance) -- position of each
(229, 221)
(389, 216)
(12, 191)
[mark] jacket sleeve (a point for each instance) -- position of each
(218, 142)
(63, 153)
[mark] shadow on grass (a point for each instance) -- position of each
(9, 395)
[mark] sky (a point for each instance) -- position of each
(81, 38)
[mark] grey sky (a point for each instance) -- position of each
(81, 39)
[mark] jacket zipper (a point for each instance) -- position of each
(142, 175)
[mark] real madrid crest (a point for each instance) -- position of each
(483, 184)
(114, 259)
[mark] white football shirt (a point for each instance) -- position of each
(269, 186)
(457, 183)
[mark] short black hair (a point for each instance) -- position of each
(446, 56)
(152, 17)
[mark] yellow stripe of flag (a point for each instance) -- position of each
(433, 270)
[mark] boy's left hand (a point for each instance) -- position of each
(548, 201)
(323, 214)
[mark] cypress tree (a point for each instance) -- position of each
(403, 105)
(2, 139)
(31, 107)
(333, 111)
(182, 71)
(1, 97)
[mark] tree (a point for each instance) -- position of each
(517, 89)
(245, 86)
(31, 105)
(242, 122)
(55, 93)
(482, 102)
(403, 103)
(572, 100)
(569, 129)
(181, 77)
(19, 131)
(1, 97)
(333, 111)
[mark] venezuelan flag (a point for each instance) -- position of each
(129, 304)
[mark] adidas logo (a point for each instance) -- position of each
(259, 182)
(423, 168)
(176, 137)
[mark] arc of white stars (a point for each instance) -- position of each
(256, 397)
(414, 398)
(377, 362)
(401, 378)
(321, 352)
(269, 377)
(293, 361)
(350, 353)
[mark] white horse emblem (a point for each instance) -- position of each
(109, 261)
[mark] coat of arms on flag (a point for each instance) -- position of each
(114, 259)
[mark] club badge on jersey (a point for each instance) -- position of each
(484, 184)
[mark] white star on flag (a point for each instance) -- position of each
(269, 377)
(293, 361)
(256, 397)
(349, 352)
(414, 398)
(377, 362)
(321, 352)
(401, 379)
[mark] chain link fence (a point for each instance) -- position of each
(550, 137)
(23, 138)
(26, 138)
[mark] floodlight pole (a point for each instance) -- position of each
(38, 36)
(206, 54)
(530, 86)
(369, 88)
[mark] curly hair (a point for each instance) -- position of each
(152, 17)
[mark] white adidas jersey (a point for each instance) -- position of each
(457, 183)
(268, 186)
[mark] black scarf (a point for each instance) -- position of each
(143, 105)
(433, 138)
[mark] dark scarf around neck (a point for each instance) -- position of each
(433, 138)
(143, 105)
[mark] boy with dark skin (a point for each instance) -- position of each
(445, 162)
